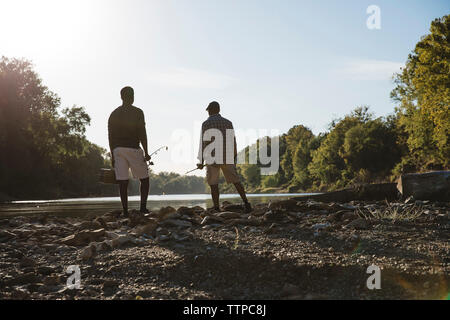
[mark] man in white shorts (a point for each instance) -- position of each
(126, 130)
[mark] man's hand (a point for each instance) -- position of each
(147, 157)
(200, 166)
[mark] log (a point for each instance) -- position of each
(425, 186)
(368, 192)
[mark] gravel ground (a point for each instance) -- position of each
(283, 250)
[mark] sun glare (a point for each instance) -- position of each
(30, 27)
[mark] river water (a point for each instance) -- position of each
(93, 206)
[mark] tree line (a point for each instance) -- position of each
(360, 148)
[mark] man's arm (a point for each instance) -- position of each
(143, 135)
(110, 141)
(200, 150)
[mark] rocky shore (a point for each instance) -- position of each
(286, 249)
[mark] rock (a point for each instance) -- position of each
(259, 212)
(349, 216)
(110, 287)
(271, 229)
(177, 223)
(163, 237)
(321, 226)
(23, 233)
(102, 246)
(101, 221)
(228, 215)
(347, 206)
(289, 204)
(111, 235)
(6, 235)
(198, 209)
(52, 280)
(211, 219)
(85, 225)
(110, 283)
(233, 207)
(409, 200)
(186, 211)
(45, 270)
(136, 218)
(121, 240)
(289, 290)
(164, 211)
(253, 221)
(338, 216)
(88, 252)
(113, 225)
(34, 287)
(22, 279)
(48, 288)
(20, 294)
(273, 215)
(27, 262)
(359, 224)
(148, 229)
(83, 237)
(235, 222)
(182, 237)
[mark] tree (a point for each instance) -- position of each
(423, 93)
(44, 152)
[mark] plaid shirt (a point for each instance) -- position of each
(216, 121)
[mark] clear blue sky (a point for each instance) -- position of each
(271, 64)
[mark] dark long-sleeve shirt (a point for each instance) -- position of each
(126, 127)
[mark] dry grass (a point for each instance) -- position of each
(390, 212)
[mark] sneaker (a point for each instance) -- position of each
(144, 210)
(248, 207)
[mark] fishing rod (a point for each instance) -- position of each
(191, 171)
(155, 152)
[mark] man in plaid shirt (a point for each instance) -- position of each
(218, 151)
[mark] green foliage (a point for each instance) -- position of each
(423, 94)
(271, 181)
(173, 183)
(44, 152)
(252, 174)
(358, 149)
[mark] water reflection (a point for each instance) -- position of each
(96, 206)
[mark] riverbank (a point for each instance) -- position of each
(286, 249)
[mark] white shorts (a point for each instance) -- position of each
(126, 158)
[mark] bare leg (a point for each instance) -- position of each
(240, 189)
(145, 187)
(215, 195)
(123, 187)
